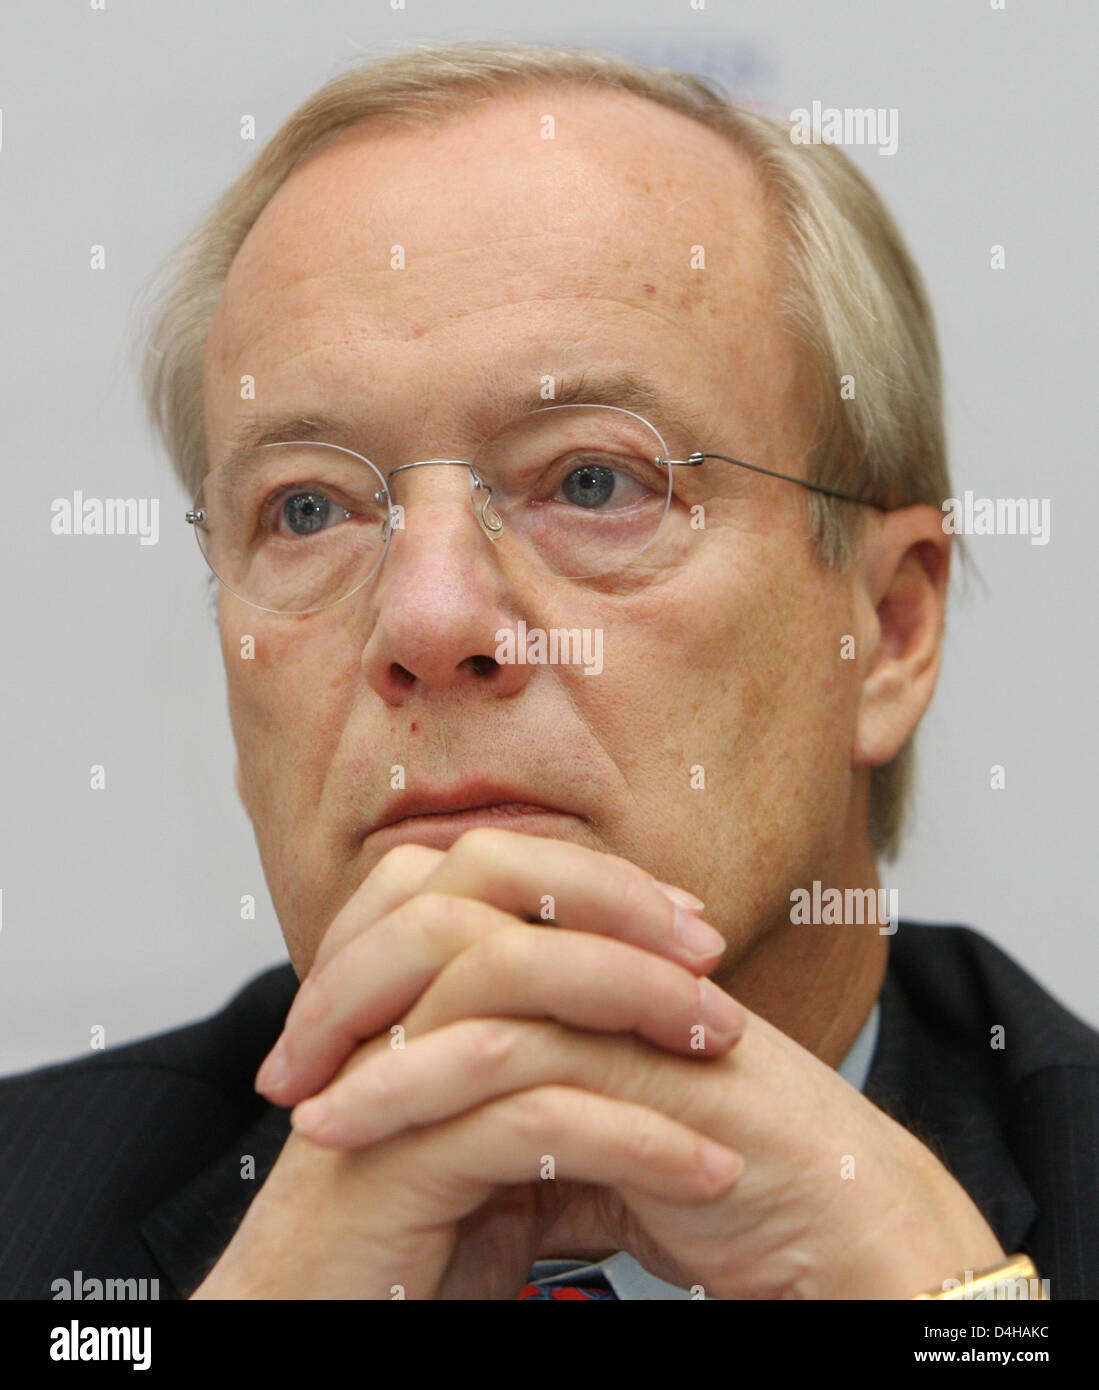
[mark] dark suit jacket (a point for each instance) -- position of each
(127, 1164)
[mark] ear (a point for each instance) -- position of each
(902, 581)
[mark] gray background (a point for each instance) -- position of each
(121, 906)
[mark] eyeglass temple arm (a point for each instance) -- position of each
(693, 460)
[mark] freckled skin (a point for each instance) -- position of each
(522, 259)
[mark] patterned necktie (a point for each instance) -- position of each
(566, 1291)
(586, 1281)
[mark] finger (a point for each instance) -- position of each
(363, 980)
(551, 1133)
(585, 981)
(397, 876)
(555, 881)
(369, 985)
(512, 971)
(477, 860)
(456, 1068)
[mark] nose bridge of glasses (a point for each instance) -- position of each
(480, 493)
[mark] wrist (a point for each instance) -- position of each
(930, 1242)
(913, 1271)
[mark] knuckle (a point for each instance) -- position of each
(380, 1084)
(489, 1047)
(482, 844)
(627, 1071)
(535, 1116)
(707, 1185)
(402, 862)
(636, 896)
(312, 1006)
(645, 1139)
(499, 955)
(436, 915)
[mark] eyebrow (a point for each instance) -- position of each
(628, 390)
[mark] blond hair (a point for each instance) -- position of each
(851, 293)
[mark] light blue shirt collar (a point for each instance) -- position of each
(630, 1280)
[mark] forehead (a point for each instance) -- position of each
(555, 216)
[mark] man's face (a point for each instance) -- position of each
(527, 258)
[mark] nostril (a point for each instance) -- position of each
(482, 665)
(401, 674)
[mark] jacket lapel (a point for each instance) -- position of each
(918, 1078)
(187, 1233)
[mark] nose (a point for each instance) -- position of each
(479, 492)
(442, 596)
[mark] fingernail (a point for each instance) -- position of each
(721, 1013)
(720, 1164)
(274, 1070)
(681, 897)
(310, 1116)
(697, 938)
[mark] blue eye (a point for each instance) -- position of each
(604, 482)
(590, 486)
(307, 512)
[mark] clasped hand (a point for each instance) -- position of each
(474, 1091)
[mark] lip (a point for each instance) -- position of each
(441, 829)
(464, 805)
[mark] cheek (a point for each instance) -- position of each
(724, 665)
(289, 684)
(752, 670)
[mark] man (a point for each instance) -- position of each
(492, 343)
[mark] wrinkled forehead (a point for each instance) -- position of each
(404, 274)
(546, 194)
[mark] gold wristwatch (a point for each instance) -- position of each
(1017, 1279)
